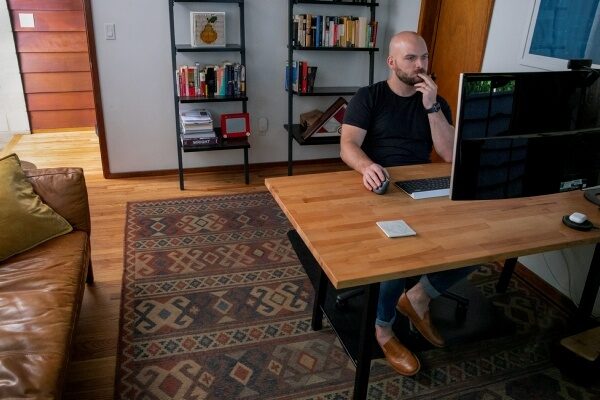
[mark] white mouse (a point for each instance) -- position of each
(578, 218)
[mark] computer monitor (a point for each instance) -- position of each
(526, 134)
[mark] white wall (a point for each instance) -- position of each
(13, 112)
(566, 270)
(136, 77)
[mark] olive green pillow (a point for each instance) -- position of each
(25, 221)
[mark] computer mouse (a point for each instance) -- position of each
(578, 218)
(383, 187)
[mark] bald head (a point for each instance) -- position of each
(402, 41)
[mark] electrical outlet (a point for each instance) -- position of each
(263, 126)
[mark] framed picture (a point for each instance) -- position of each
(208, 29)
(557, 34)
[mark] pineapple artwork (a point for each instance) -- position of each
(208, 29)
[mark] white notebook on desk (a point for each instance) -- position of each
(396, 228)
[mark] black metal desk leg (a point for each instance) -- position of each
(367, 333)
(246, 168)
(320, 292)
(592, 283)
(506, 274)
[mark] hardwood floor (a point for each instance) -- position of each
(93, 357)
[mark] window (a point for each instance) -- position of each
(561, 30)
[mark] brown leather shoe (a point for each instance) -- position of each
(400, 358)
(424, 326)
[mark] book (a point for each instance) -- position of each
(304, 76)
(196, 121)
(196, 115)
(312, 74)
(200, 141)
(199, 134)
(330, 123)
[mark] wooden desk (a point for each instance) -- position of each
(335, 217)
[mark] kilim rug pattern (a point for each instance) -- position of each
(215, 305)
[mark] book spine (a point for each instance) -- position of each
(236, 80)
(304, 76)
(200, 141)
(295, 72)
(295, 31)
(191, 85)
(242, 80)
(202, 83)
(308, 30)
(210, 81)
(229, 79)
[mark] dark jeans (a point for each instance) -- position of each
(434, 285)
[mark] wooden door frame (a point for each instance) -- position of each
(100, 130)
(428, 23)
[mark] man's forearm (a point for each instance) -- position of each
(354, 157)
(442, 134)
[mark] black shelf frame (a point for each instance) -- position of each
(294, 133)
(224, 144)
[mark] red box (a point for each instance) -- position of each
(235, 125)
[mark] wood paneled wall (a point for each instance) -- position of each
(55, 64)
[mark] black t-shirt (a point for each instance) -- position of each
(398, 131)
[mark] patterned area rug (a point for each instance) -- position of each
(216, 306)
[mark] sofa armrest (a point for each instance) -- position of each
(65, 191)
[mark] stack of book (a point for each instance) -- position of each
(333, 31)
(303, 77)
(228, 79)
(197, 128)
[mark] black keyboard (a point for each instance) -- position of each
(427, 187)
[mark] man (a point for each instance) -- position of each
(396, 122)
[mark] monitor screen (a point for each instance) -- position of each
(526, 133)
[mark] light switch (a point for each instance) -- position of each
(26, 20)
(109, 31)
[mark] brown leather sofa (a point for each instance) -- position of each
(41, 292)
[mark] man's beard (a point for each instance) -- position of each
(410, 81)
